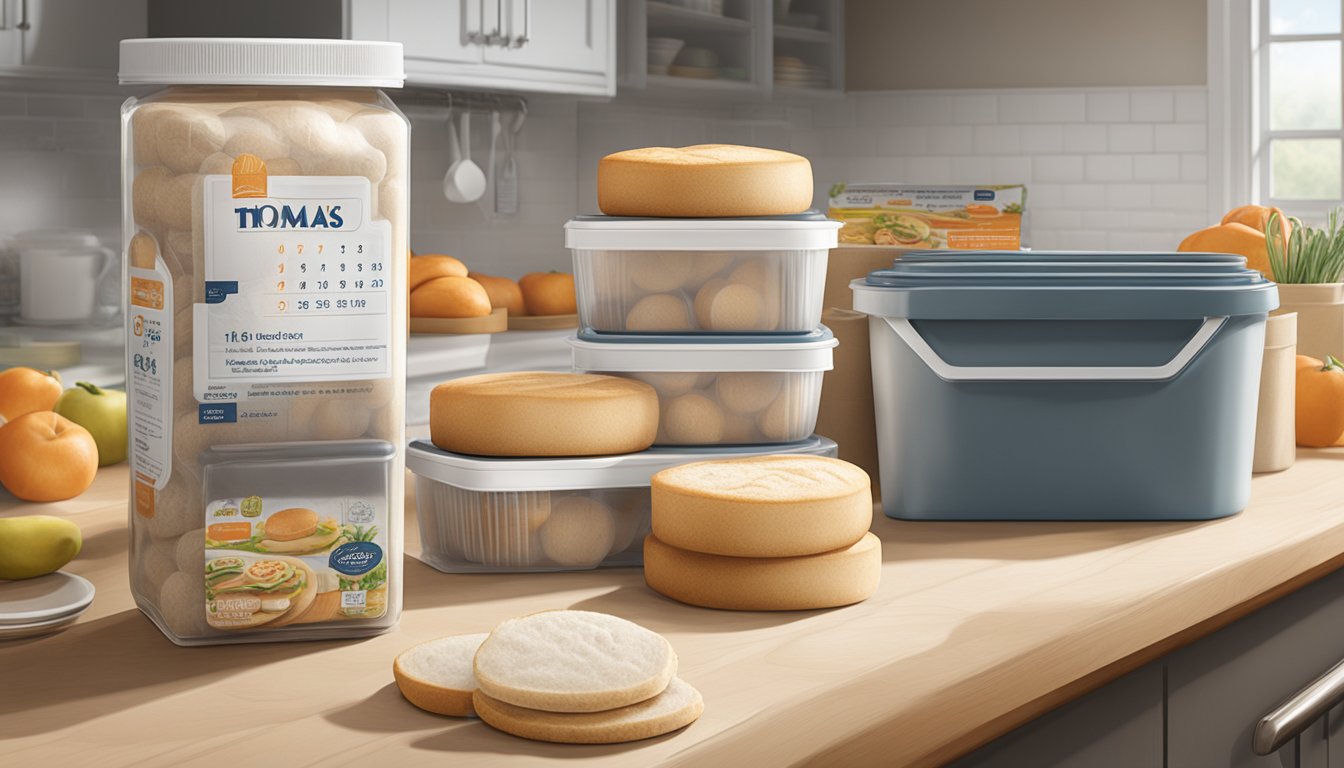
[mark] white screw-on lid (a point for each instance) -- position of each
(261, 61)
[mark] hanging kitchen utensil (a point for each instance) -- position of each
(465, 181)
(506, 188)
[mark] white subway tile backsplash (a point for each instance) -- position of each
(971, 170)
(975, 109)
(903, 140)
(1011, 170)
(1129, 196)
(1042, 108)
(13, 104)
(997, 139)
(55, 106)
(1045, 196)
(1078, 240)
(1130, 137)
(1105, 218)
(1181, 137)
(1155, 106)
(1110, 167)
(1194, 167)
(1057, 219)
(928, 170)
(1108, 107)
(27, 133)
(1085, 137)
(1192, 107)
(1180, 197)
(1157, 167)
(1143, 241)
(1172, 221)
(1058, 168)
(951, 140)
(1084, 195)
(1042, 139)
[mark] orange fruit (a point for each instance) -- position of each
(503, 292)
(1320, 401)
(46, 457)
(549, 293)
(1235, 238)
(451, 296)
(24, 390)
(1257, 217)
(429, 266)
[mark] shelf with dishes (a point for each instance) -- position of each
(686, 48)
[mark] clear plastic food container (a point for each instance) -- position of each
(265, 220)
(721, 390)
(757, 275)
(481, 515)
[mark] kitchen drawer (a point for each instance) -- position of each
(1116, 726)
(1219, 687)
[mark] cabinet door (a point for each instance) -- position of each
(434, 30)
(78, 34)
(1219, 687)
(564, 35)
(11, 39)
(1116, 726)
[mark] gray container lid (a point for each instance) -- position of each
(983, 285)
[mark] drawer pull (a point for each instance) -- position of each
(1303, 708)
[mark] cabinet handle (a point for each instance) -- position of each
(496, 36)
(1303, 708)
(474, 36)
(526, 37)
(23, 17)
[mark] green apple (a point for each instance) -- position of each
(103, 413)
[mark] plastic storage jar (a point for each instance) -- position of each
(758, 275)
(724, 390)
(265, 229)
(1083, 386)
(481, 514)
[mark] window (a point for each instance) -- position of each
(1298, 125)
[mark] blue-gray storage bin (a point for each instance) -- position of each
(1065, 386)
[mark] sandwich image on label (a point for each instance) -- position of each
(242, 593)
(294, 531)
(297, 530)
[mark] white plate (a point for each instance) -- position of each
(16, 631)
(46, 598)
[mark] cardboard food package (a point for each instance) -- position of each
(846, 412)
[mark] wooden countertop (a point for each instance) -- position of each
(977, 628)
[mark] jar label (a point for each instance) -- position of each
(282, 560)
(297, 286)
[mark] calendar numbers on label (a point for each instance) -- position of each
(312, 291)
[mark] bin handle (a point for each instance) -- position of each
(948, 372)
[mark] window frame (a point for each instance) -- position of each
(1264, 136)
(1238, 144)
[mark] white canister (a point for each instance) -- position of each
(59, 275)
(1275, 426)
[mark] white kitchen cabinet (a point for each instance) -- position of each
(565, 35)
(429, 30)
(66, 38)
(551, 46)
